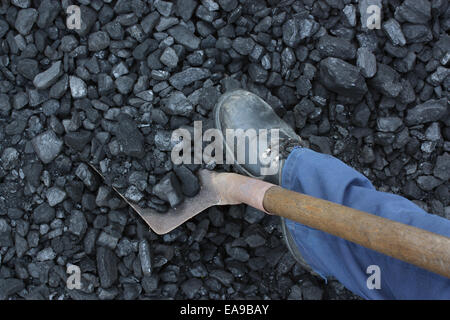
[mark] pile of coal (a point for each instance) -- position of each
(111, 92)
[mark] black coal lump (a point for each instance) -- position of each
(169, 189)
(189, 182)
(130, 138)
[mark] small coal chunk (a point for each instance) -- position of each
(105, 84)
(98, 41)
(387, 81)
(190, 287)
(286, 263)
(107, 240)
(78, 87)
(77, 223)
(163, 140)
(77, 140)
(166, 23)
(228, 5)
(243, 45)
(189, 182)
(47, 78)
(9, 287)
(9, 158)
(142, 50)
(164, 7)
(431, 110)
(133, 194)
(129, 136)
(433, 132)
(48, 11)
(394, 31)
(5, 105)
(158, 116)
(185, 37)
(145, 258)
(37, 97)
(169, 58)
(253, 215)
(25, 20)
(350, 14)
(85, 174)
(46, 254)
(367, 62)
(119, 70)
(237, 253)
(414, 11)
(297, 29)
(15, 213)
(168, 189)
(106, 267)
(4, 27)
(47, 146)
(44, 213)
(208, 97)
(428, 183)
(124, 84)
(188, 76)
(186, 8)
(311, 291)
(55, 196)
(222, 276)
(342, 78)
(60, 87)
(255, 239)
(389, 124)
(177, 104)
(442, 167)
(197, 58)
(150, 284)
(257, 73)
(415, 33)
(439, 76)
(149, 22)
(341, 48)
(28, 68)
(203, 13)
(146, 95)
(5, 234)
(322, 143)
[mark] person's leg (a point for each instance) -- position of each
(326, 177)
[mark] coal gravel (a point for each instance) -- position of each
(111, 92)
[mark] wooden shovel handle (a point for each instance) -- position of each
(419, 247)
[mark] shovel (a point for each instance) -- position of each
(419, 247)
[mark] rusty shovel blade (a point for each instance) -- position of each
(162, 223)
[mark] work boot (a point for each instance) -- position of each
(244, 110)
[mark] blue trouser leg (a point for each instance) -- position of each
(326, 177)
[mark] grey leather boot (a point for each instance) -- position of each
(244, 110)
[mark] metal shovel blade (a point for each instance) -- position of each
(162, 223)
